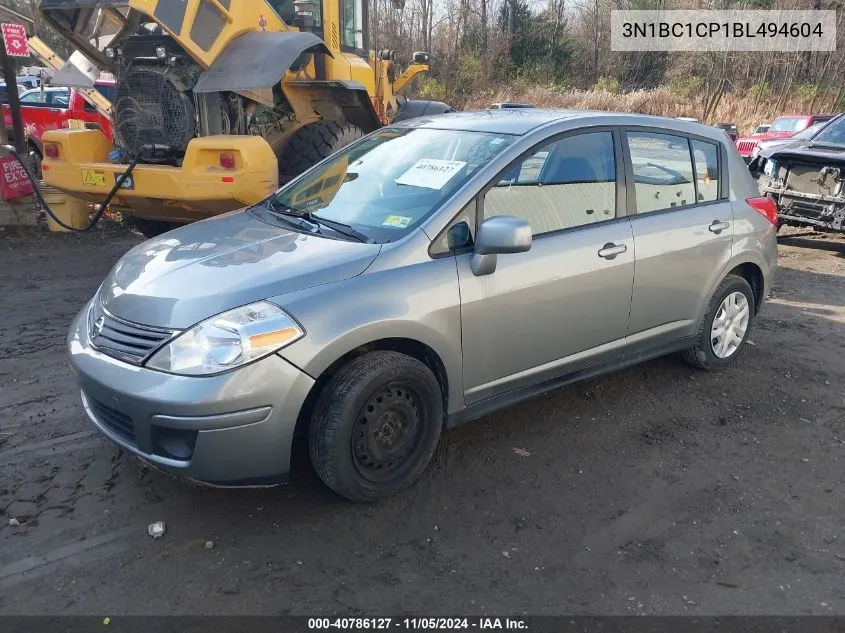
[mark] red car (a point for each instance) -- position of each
(54, 108)
(782, 127)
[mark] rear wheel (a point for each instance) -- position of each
(726, 326)
(376, 426)
(313, 142)
(149, 228)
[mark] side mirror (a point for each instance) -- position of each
(496, 236)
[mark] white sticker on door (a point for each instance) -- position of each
(431, 173)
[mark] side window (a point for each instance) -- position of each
(352, 23)
(208, 23)
(706, 159)
(59, 99)
(461, 229)
(33, 97)
(568, 183)
(172, 14)
(663, 176)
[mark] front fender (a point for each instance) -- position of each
(418, 302)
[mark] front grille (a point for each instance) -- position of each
(119, 423)
(746, 147)
(122, 340)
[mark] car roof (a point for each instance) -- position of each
(520, 121)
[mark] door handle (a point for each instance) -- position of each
(717, 226)
(611, 250)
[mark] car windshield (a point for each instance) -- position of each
(788, 124)
(810, 131)
(385, 185)
(832, 134)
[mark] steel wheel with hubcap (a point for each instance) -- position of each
(730, 325)
(376, 425)
(725, 327)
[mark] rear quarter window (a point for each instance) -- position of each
(706, 163)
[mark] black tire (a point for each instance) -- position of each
(149, 228)
(360, 458)
(702, 355)
(313, 142)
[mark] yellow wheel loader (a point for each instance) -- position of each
(218, 100)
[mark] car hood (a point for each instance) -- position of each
(197, 271)
(807, 150)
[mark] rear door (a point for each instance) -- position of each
(683, 229)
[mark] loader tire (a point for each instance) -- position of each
(149, 228)
(313, 142)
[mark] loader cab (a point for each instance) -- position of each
(90, 25)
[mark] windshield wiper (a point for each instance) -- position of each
(339, 227)
(306, 216)
(294, 219)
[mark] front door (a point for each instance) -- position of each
(683, 233)
(564, 304)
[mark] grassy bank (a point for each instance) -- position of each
(747, 111)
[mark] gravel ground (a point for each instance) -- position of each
(656, 490)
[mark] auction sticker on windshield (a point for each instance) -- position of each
(431, 173)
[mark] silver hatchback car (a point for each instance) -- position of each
(428, 274)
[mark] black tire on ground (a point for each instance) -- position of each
(376, 426)
(313, 142)
(702, 355)
(149, 228)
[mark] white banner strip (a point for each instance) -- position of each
(720, 31)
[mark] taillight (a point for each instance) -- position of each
(766, 206)
(227, 160)
(51, 150)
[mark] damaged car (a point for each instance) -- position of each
(807, 179)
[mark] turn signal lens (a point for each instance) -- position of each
(51, 150)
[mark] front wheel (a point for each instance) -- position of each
(376, 426)
(726, 326)
(150, 228)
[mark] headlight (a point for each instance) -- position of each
(756, 151)
(228, 340)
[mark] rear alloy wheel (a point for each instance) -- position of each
(725, 327)
(376, 426)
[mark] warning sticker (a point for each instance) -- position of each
(397, 221)
(431, 173)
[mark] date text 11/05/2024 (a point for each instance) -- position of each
(417, 624)
(737, 30)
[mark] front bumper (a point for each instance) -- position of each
(238, 425)
(197, 189)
